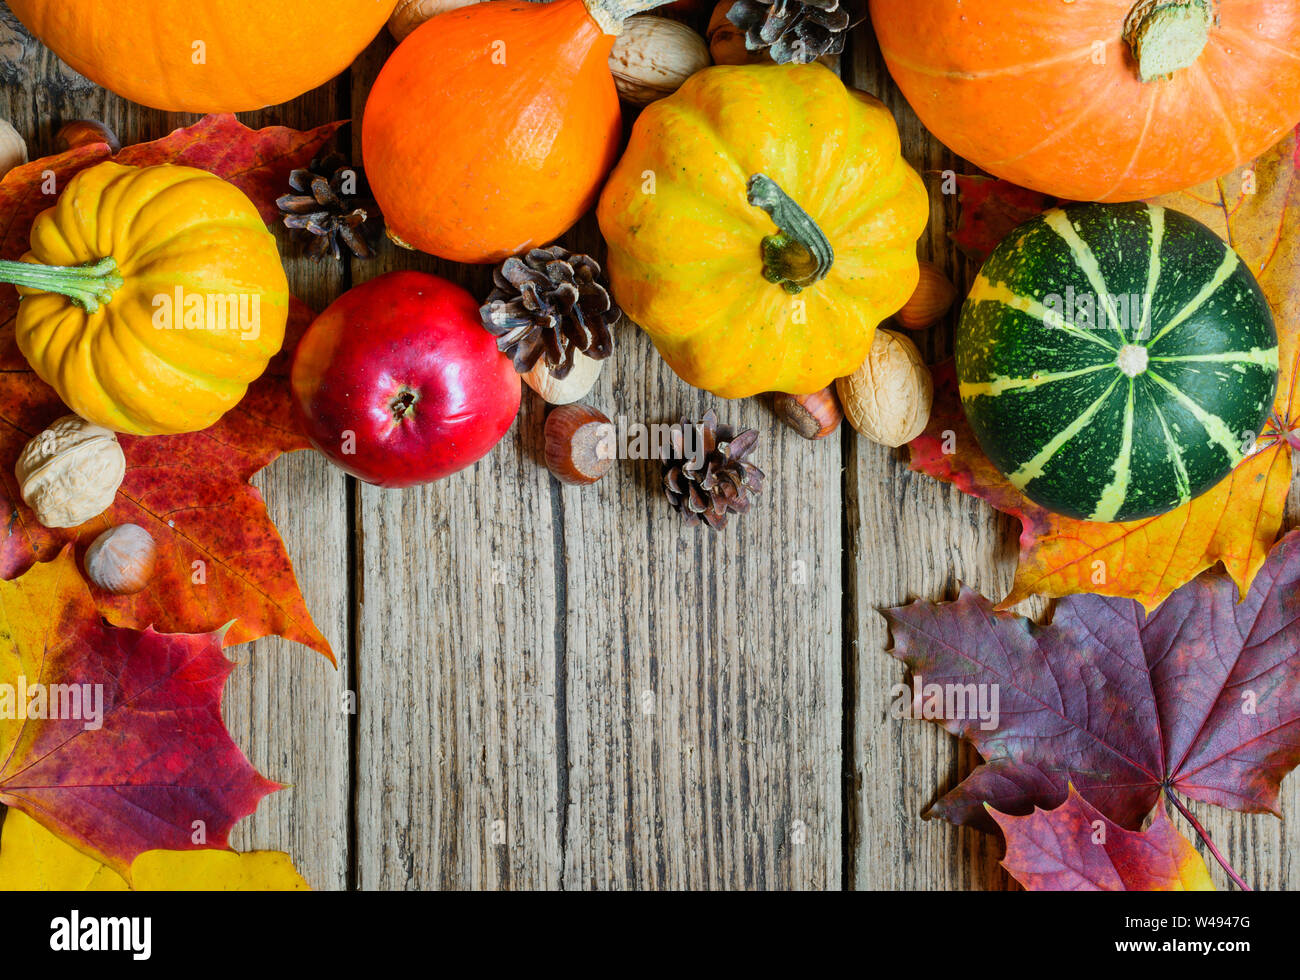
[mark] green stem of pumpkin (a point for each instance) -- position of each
(798, 255)
(1167, 35)
(87, 286)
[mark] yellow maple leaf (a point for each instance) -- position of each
(33, 859)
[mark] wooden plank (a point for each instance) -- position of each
(283, 705)
(703, 696)
(908, 537)
(458, 758)
(286, 706)
(912, 537)
(703, 669)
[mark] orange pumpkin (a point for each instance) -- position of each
(490, 129)
(1103, 100)
(206, 55)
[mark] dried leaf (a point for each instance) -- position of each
(1075, 848)
(220, 557)
(1202, 696)
(136, 756)
(33, 859)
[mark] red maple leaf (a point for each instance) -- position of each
(1201, 697)
(220, 557)
(153, 764)
(1075, 848)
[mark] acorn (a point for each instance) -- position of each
(930, 301)
(813, 416)
(122, 559)
(579, 444)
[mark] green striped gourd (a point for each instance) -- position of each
(1115, 361)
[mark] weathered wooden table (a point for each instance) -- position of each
(568, 688)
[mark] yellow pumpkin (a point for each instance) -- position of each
(151, 297)
(760, 225)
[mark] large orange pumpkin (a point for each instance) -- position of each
(206, 55)
(490, 129)
(1099, 100)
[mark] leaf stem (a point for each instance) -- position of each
(1205, 836)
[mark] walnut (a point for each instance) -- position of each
(888, 398)
(70, 472)
(654, 56)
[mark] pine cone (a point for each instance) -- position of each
(706, 474)
(798, 31)
(322, 208)
(550, 304)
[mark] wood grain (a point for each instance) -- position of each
(911, 537)
(284, 705)
(568, 688)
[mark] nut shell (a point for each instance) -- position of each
(70, 472)
(727, 41)
(930, 301)
(888, 398)
(813, 416)
(579, 447)
(410, 14)
(13, 148)
(84, 132)
(571, 388)
(122, 559)
(654, 56)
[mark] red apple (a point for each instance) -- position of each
(398, 383)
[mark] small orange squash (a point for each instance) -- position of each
(206, 55)
(490, 129)
(1099, 100)
(151, 297)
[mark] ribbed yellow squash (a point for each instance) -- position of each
(760, 225)
(151, 297)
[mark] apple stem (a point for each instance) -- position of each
(1205, 836)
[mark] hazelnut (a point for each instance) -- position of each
(727, 41)
(83, 132)
(70, 472)
(888, 398)
(579, 444)
(122, 559)
(813, 416)
(932, 298)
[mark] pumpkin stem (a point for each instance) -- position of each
(1167, 35)
(87, 286)
(798, 255)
